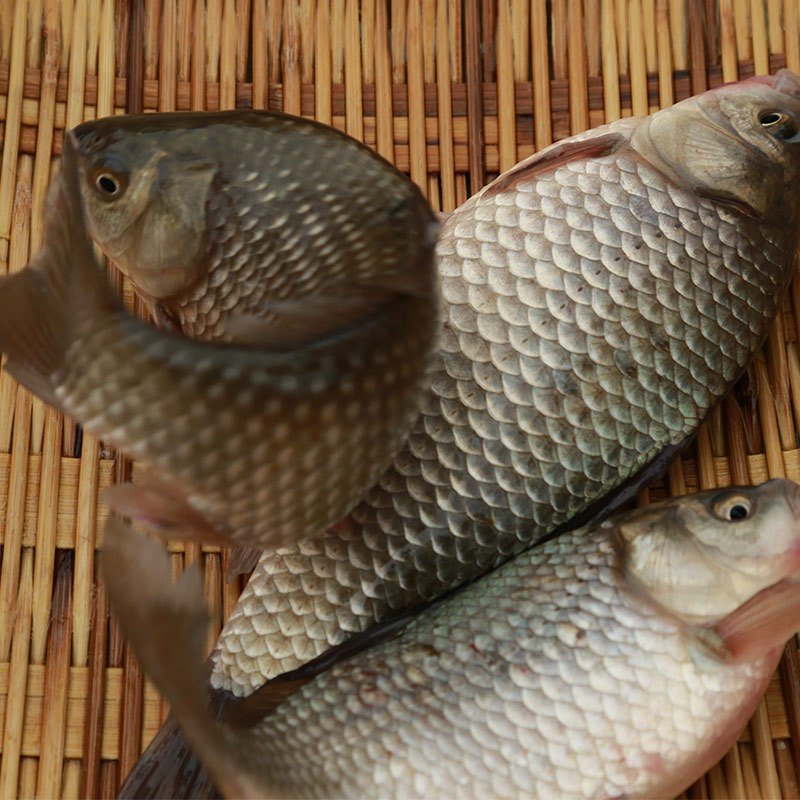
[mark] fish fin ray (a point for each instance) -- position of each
(162, 507)
(766, 621)
(32, 341)
(43, 306)
(242, 560)
(169, 767)
(166, 624)
(556, 156)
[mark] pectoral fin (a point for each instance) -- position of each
(765, 622)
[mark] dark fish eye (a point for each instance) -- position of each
(778, 124)
(732, 508)
(108, 178)
(737, 512)
(107, 183)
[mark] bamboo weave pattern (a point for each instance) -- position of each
(452, 91)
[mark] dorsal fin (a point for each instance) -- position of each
(556, 156)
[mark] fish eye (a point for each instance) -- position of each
(108, 183)
(733, 508)
(778, 124)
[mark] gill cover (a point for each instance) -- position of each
(716, 145)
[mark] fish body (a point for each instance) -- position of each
(598, 300)
(215, 216)
(252, 443)
(595, 665)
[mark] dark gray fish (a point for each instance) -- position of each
(255, 444)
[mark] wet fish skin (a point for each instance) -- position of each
(587, 667)
(251, 445)
(595, 310)
(222, 214)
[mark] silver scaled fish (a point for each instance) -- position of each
(599, 299)
(618, 660)
(253, 443)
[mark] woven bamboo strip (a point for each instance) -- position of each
(450, 91)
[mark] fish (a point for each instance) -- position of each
(622, 659)
(598, 301)
(251, 444)
(231, 224)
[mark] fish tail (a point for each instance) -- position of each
(44, 306)
(166, 626)
(169, 767)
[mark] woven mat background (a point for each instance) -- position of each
(452, 91)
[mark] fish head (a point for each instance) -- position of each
(704, 556)
(144, 196)
(738, 144)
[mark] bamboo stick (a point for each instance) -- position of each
(261, 72)
(576, 53)
(640, 105)
(741, 20)
(18, 473)
(791, 17)
(697, 52)
(506, 107)
(290, 62)
(665, 90)
(367, 41)
(227, 57)
(18, 676)
(322, 74)
(416, 109)
(474, 96)
(446, 160)
(540, 71)
(678, 30)
(54, 708)
(384, 122)
(352, 61)
(760, 41)
(91, 785)
(728, 43)
(12, 126)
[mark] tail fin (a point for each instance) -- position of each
(43, 306)
(166, 625)
(169, 768)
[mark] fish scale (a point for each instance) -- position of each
(258, 253)
(592, 318)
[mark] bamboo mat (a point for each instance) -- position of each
(450, 90)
